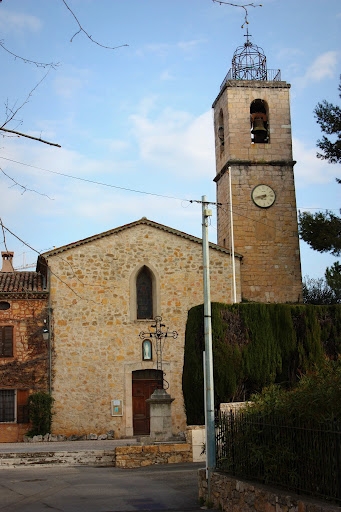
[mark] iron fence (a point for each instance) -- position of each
(301, 456)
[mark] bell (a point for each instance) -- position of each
(259, 131)
(258, 126)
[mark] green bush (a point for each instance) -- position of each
(40, 413)
(289, 437)
(316, 397)
(254, 346)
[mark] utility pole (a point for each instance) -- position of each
(208, 369)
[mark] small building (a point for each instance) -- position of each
(105, 291)
(24, 354)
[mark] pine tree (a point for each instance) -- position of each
(322, 230)
(329, 118)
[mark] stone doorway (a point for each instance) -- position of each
(144, 383)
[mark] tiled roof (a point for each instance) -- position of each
(21, 282)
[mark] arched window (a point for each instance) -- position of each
(259, 122)
(144, 293)
(221, 129)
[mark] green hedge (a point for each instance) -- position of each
(255, 345)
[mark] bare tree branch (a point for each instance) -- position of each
(52, 65)
(3, 232)
(81, 29)
(23, 187)
(14, 112)
(39, 139)
(242, 6)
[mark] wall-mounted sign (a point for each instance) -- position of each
(116, 408)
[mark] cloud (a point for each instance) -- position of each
(176, 141)
(309, 169)
(323, 67)
(189, 45)
(166, 75)
(69, 85)
(14, 21)
(164, 49)
(174, 158)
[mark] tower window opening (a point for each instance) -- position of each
(259, 122)
(221, 131)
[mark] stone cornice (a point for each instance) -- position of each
(249, 163)
(251, 84)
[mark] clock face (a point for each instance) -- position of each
(263, 196)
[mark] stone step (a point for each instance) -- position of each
(100, 458)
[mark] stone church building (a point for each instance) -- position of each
(106, 290)
(109, 288)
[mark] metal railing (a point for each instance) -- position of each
(303, 457)
(270, 75)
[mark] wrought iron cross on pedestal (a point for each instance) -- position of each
(159, 339)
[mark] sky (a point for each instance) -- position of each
(135, 123)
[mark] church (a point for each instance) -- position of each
(110, 293)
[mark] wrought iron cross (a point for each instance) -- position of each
(159, 336)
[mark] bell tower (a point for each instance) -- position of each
(253, 146)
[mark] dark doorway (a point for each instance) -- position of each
(144, 384)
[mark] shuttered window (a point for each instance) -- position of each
(6, 341)
(22, 406)
(7, 405)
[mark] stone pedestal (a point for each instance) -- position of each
(160, 415)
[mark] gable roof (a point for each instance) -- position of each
(143, 221)
(22, 285)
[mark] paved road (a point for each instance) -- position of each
(172, 487)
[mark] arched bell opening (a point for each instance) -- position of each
(221, 130)
(259, 122)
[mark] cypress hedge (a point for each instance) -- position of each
(256, 345)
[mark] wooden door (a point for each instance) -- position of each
(142, 390)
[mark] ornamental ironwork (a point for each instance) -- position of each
(249, 63)
(158, 335)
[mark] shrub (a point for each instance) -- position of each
(40, 412)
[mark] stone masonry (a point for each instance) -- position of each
(96, 344)
(230, 494)
(266, 237)
(27, 371)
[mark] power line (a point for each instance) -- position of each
(94, 182)
(70, 176)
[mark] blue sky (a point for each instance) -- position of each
(139, 118)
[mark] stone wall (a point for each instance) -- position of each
(99, 458)
(139, 456)
(27, 370)
(231, 495)
(96, 333)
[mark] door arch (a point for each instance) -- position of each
(144, 383)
